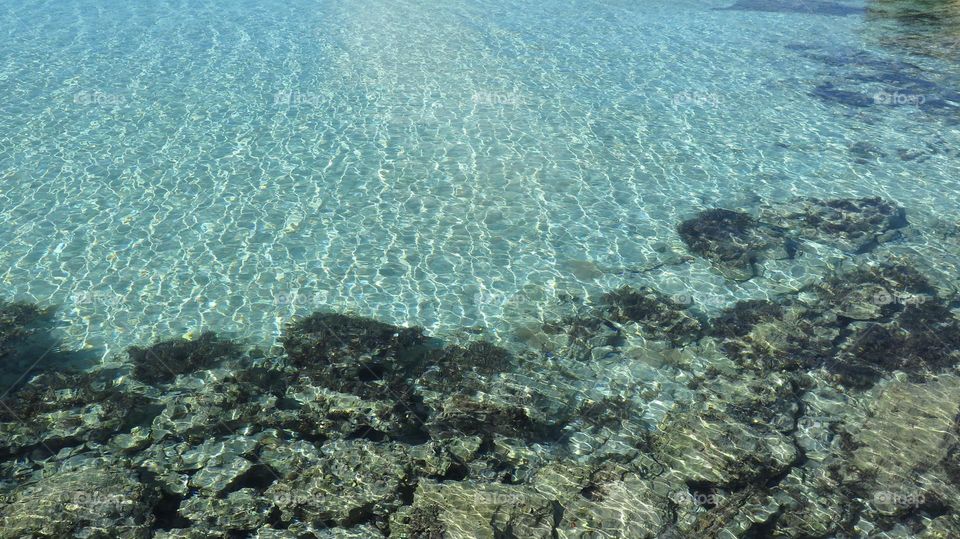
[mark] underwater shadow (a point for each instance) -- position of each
(811, 7)
(29, 345)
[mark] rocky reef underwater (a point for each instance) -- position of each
(831, 410)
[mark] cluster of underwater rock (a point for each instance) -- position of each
(831, 411)
(737, 243)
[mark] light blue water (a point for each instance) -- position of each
(171, 166)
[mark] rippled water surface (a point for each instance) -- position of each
(167, 167)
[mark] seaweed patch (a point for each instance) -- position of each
(659, 315)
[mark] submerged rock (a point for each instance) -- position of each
(479, 357)
(718, 445)
(770, 420)
(53, 410)
(860, 326)
(627, 506)
(244, 510)
(330, 338)
(94, 503)
(866, 152)
(921, 340)
(742, 317)
(596, 332)
(927, 28)
(768, 336)
(354, 482)
(471, 510)
(403, 385)
(734, 242)
(486, 414)
(898, 455)
(327, 414)
(877, 290)
(810, 7)
(582, 338)
(854, 225)
(891, 319)
(462, 370)
(811, 504)
(243, 400)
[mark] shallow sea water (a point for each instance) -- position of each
(169, 167)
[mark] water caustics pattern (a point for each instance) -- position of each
(171, 166)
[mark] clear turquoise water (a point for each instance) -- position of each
(167, 167)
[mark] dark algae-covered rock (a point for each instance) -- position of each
(485, 415)
(818, 7)
(659, 315)
(920, 340)
(601, 328)
(375, 362)
(874, 292)
(891, 318)
(430, 386)
(737, 243)
(54, 391)
(164, 361)
(734, 242)
(716, 232)
(582, 336)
